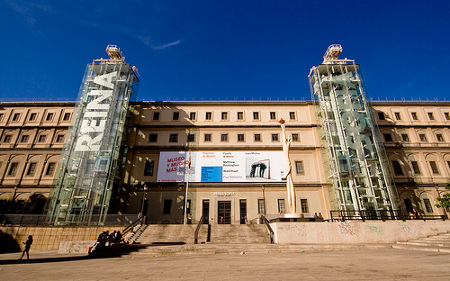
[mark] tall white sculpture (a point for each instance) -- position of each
(288, 168)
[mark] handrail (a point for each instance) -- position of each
(132, 225)
(200, 222)
(266, 222)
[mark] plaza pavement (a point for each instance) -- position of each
(355, 264)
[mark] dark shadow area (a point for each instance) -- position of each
(8, 244)
(123, 250)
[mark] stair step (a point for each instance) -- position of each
(436, 243)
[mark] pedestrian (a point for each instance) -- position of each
(27, 247)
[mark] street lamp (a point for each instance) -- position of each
(143, 200)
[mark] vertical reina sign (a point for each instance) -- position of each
(90, 160)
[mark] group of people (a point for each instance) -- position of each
(105, 239)
(318, 216)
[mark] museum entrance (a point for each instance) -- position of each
(224, 212)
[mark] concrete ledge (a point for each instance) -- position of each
(355, 232)
(75, 247)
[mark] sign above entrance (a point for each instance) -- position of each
(221, 166)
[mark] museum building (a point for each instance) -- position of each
(106, 153)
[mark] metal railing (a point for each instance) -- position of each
(266, 222)
(200, 222)
(341, 215)
(41, 220)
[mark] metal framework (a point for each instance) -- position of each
(90, 159)
(358, 166)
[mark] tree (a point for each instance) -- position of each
(444, 200)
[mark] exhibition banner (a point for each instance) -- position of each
(221, 166)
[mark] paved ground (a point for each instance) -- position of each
(361, 264)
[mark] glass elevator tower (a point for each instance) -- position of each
(90, 159)
(357, 164)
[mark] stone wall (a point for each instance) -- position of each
(354, 232)
(49, 238)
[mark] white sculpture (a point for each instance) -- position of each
(288, 168)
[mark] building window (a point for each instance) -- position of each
(430, 115)
(423, 137)
(257, 137)
(292, 115)
(240, 115)
(381, 116)
(173, 138)
(192, 116)
(49, 117)
(397, 116)
(405, 137)
(32, 117)
(224, 137)
(446, 114)
(60, 138)
(1, 116)
(295, 137)
(156, 116)
(66, 117)
(176, 116)
(207, 137)
(42, 138)
(153, 138)
(388, 137)
(16, 117)
(299, 167)
(13, 169)
(261, 206)
(414, 116)
(428, 206)
(208, 116)
(148, 168)
(241, 137)
(24, 138)
(255, 115)
(224, 115)
(434, 167)
(415, 167)
(50, 169)
(7, 138)
(304, 204)
(31, 169)
(273, 115)
(275, 137)
(281, 206)
(397, 168)
(440, 138)
(191, 137)
(167, 206)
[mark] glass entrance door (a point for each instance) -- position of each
(224, 212)
(205, 210)
(243, 210)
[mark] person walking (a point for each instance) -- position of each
(27, 247)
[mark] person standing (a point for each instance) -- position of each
(27, 247)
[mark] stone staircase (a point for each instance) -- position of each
(437, 243)
(239, 234)
(172, 234)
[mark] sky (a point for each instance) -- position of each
(224, 50)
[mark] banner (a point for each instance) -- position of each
(221, 166)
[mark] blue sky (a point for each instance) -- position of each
(224, 50)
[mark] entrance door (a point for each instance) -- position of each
(224, 212)
(408, 205)
(205, 211)
(243, 210)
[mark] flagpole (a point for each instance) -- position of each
(187, 187)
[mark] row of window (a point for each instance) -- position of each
(26, 138)
(149, 168)
(282, 206)
(223, 137)
(224, 115)
(31, 169)
(414, 116)
(405, 137)
(415, 167)
(33, 116)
